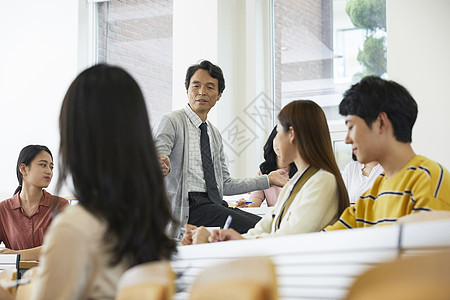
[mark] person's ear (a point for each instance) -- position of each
(291, 134)
(383, 122)
(23, 169)
(218, 97)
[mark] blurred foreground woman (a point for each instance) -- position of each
(107, 150)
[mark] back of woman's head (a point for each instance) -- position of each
(107, 148)
(313, 140)
(26, 156)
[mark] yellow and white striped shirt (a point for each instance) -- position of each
(422, 185)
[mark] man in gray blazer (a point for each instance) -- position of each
(195, 198)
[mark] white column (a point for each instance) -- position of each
(245, 112)
(194, 39)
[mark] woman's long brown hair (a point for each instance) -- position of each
(313, 140)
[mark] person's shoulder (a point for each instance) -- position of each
(174, 119)
(76, 216)
(60, 201)
(53, 200)
(5, 204)
(176, 114)
(10, 203)
(423, 171)
(324, 177)
(427, 166)
(429, 177)
(74, 221)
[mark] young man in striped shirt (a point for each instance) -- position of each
(379, 115)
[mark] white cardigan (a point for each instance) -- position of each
(314, 207)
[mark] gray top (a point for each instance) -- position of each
(171, 139)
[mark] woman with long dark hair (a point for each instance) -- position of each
(107, 150)
(26, 216)
(315, 196)
(272, 162)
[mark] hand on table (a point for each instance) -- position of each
(225, 235)
(242, 203)
(201, 235)
(187, 237)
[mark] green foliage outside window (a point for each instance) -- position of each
(370, 15)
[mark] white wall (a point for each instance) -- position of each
(38, 60)
(194, 39)
(419, 58)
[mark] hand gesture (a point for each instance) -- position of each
(277, 178)
(165, 164)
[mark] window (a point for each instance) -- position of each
(319, 52)
(137, 35)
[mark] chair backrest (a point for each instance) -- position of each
(412, 278)
(251, 278)
(154, 280)
(317, 265)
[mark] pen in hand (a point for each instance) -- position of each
(227, 225)
(165, 167)
(243, 203)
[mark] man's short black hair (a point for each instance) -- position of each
(373, 95)
(213, 70)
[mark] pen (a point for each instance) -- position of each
(228, 222)
(226, 226)
(247, 202)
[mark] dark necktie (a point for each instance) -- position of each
(208, 167)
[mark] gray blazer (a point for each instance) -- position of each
(171, 140)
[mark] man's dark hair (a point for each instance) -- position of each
(213, 70)
(373, 95)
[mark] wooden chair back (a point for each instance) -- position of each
(154, 280)
(251, 278)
